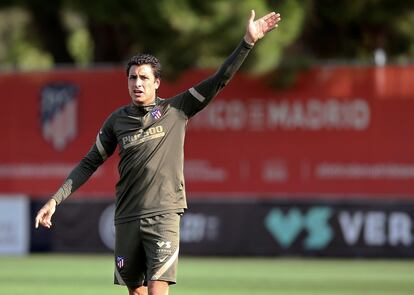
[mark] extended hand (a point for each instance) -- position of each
(256, 30)
(44, 216)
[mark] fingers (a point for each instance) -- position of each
(269, 15)
(44, 222)
(37, 221)
(272, 19)
(47, 221)
(39, 218)
(252, 15)
(43, 218)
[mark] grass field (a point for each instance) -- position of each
(92, 274)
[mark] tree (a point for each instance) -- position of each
(181, 33)
(354, 29)
(184, 33)
(197, 33)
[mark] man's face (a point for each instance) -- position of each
(142, 84)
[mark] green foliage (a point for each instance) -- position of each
(79, 41)
(17, 50)
(404, 26)
(269, 53)
(197, 33)
(181, 33)
(354, 29)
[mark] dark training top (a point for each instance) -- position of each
(151, 148)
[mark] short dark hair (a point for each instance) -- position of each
(145, 59)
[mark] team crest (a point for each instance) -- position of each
(156, 113)
(59, 113)
(120, 261)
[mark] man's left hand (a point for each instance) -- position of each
(257, 29)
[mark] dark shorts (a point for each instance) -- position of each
(147, 250)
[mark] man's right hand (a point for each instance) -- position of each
(44, 216)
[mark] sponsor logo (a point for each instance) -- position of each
(287, 228)
(164, 248)
(162, 259)
(199, 227)
(166, 244)
(142, 136)
(58, 113)
(275, 170)
(376, 228)
(316, 228)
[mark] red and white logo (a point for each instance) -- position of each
(59, 113)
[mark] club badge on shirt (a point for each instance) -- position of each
(156, 113)
(120, 261)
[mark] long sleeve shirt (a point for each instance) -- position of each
(151, 147)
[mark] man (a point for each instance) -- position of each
(150, 194)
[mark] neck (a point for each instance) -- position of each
(145, 104)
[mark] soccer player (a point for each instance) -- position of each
(150, 194)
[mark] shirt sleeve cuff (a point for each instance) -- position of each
(248, 44)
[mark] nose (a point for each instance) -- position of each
(138, 82)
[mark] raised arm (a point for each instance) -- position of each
(196, 98)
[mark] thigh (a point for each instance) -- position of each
(161, 242)
(130, 260)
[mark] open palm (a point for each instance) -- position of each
(257, 29)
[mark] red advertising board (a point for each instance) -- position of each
(337, 132)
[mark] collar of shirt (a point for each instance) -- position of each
(142, 110)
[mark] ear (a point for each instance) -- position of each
(157, 83)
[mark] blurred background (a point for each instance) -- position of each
(308, 152)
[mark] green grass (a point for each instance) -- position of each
(92, 274)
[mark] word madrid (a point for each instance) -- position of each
(286, 114)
